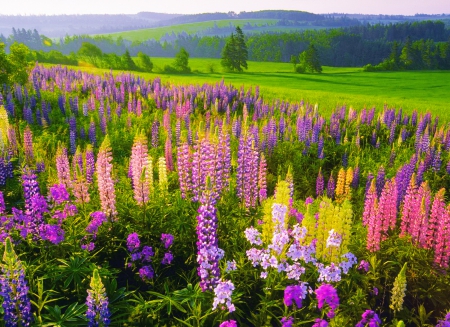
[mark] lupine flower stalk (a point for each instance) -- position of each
(28, 144)
(14, 290)
(162, 174)
(262, 181)
(398, 292)
(63, 167)
(141, 169)
(184, 167)
(104, 179)
(97, 313)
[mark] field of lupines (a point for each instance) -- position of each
(127, 202)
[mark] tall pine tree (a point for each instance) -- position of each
(235, 53)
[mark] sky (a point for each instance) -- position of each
(56, 7)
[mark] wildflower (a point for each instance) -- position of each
(398, 292)
(222, 293)
(167, 239)
(146, 272)
(228, 323)
(253, 236)
(97, 302)
(369, 318)
(364, 265)
(168, 257)
(231, 266)
(133, 242)
(326, 293)
(287, 322)
(320, 323)
(295, 293)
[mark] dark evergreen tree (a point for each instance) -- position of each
(310, 61)
(127, 61)
(235, 53)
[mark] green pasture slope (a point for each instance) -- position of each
(157, 32)
(421, 90)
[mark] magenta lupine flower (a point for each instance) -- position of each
(222, 292)
(141, 168)
(387, 207)
(80, 188)
(196, 181)
(262, 182)
(247, 170)
(2, 204)
(184, 166)
(63, 167)
(370, 219)
(295, 293)
(326, 293)
(442, 236)
(369, 318)
(420, 223)
(28, 144)
(331, 185)
(408, 209)
(168, 153)
(438, 212)
(30, 187)
(223, 162)
(104, 179)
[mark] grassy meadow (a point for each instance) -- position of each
(336, 86)
(157, 32)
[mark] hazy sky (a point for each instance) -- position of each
(52, 7)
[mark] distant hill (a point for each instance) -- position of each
(61, 25)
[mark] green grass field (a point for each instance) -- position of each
(158, 32)
(422, 90)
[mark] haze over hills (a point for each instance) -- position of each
(62, 25)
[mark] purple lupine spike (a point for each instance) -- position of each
(2, 204)
(30, 187)
(97, 313)
(155, 134)
(28, 115)
(320, 148)
(355, 179)
(14, 290)
(90, 164)
(331, 185)
(2, 172)
(380, 180)
(436, 164)
(12, 140)
(208, 252)
(184, 166)
(92, 134)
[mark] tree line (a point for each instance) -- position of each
(355, 46)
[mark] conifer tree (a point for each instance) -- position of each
(235, 53)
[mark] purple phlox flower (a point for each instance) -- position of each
(320, 323)
(298, 232)
(229, 323)
(59, 194)
(253, 236)
(294, 271)
(369, 318)
(168, 258)
(231, 266)
(88, 247)
(146, 273)
(70, 209)
(222, 293)
(147, 253)
(167, 239)
(445, 322)
(334, 239)
(52, 233)
(287, 321)
(326, 293)
(98, 218)
(331, 273)
(295, 293)
(133, 242)
(302, 252)
(364, 265)
(375, 291)
(351, 261)
(279, 240)
(309, 200)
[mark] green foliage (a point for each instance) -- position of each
(18, 61)
(235, 53)
(144, 62)
(309, 61)
(127, 61)
(181, 62)
(90, 52)
(5, 66)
